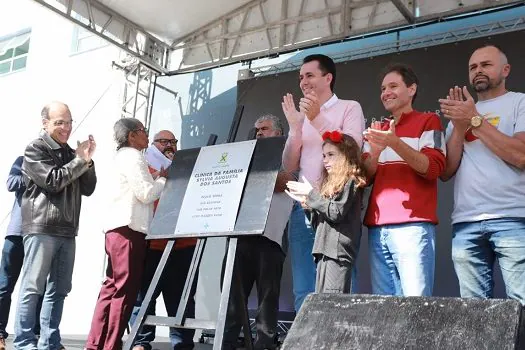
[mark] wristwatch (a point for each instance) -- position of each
(476, 121)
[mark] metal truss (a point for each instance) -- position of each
(263, 28)
(471, 32)
(260, 28)
(138, 89)
(121, 32)
(409, 12)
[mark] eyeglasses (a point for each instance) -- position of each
(165, 142)
(66, 123)
(144, 130)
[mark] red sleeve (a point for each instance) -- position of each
(432, 144)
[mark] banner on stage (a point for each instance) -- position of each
(211, 200)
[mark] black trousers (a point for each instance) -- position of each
(257, 260)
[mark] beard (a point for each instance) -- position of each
(485, 84)
(168, 154)
(168, 149)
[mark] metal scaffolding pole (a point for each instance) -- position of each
(137, 91)
(449, 36)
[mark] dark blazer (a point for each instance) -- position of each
(15, 183)
(55, 179)
(337, 223)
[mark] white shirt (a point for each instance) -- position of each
(132, 193)
(486, 187)
(331, 101)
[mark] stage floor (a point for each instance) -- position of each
(76, 342)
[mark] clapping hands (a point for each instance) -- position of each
(459, 107)
(299, 191)
(380, 139)
(309, 105)
(293, 116)
(86, 149)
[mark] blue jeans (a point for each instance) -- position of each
(301, 241)
(171, 285)
(475, 248)
(46, 257)
(10, 268)
(12, 259)
(402, 259)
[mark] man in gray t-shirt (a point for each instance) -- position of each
(486, 152)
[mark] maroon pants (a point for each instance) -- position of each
(126, 251)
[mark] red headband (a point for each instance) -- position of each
(334, 136)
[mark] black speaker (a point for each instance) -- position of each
(352, 321)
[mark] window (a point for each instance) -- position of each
(13, 52)
(84, 40)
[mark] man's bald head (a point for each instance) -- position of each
(57, 121)
(164, 134)
(494, 51)
(488, 69)
(54, 108)
(165, 141)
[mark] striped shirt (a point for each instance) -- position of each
(400, 194)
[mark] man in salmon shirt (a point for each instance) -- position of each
(319, 110)
(403, 157)
(159, 156)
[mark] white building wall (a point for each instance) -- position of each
(80, 80)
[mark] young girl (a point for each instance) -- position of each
(336, 212)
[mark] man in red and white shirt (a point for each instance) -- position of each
(403, 157)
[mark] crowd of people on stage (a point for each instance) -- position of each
(329, 158)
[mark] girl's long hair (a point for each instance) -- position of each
(349, 167)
